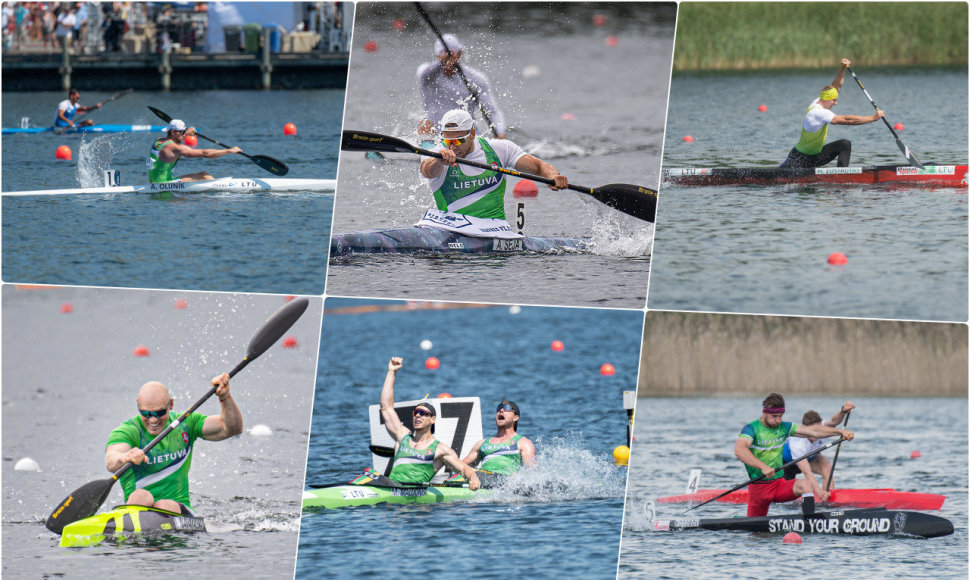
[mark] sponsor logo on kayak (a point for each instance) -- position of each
(929, 170)
(856, 526)
(663, 526)
(358, 493)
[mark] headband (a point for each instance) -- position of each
(773, 410)
(829, 95)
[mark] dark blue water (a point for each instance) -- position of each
(69, 379)
(887, 431)
(261, 242)
(573, 414)
(764, 249)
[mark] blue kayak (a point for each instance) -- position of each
(87, 129)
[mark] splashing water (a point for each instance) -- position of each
(94, 158)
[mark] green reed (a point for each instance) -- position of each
(689, 354)
(739, 36)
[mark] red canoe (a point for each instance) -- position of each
(861, 498)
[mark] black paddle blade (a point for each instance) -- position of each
(83, 503)
(274, 166)
(365, 141)
(160, 114)
(382, 451)
(635, 200)
(275, 326)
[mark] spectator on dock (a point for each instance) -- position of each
(65, 28)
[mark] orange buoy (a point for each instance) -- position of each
(370, 46)
(191, 140)
(607, 370)
(525, 188)
(63, 152)
(688, 139)
(289, 129)
(558, 346)
(141, 350)
(67, 308)
(289, 342)
(432, 363)
(763, 108)
(445, 396)
(838, 259)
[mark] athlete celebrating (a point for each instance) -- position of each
(417, 456)
(69, 106)
(160, 478)
(443, 89)
(759, 447)
(811, 150)
(166, 152)
(507, 451)
(478, 195)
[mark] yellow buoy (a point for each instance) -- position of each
(621, 455)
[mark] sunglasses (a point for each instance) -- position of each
(456, 141)
(157, 414)
(420, 412)
(505, 407)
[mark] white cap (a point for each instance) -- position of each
(454, 45)
(457, 120)
(175, 125)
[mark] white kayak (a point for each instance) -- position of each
(220, 185)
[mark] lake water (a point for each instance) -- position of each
(69, 379)
(261, 242)
(887, 431)
(544, 63)
(573, 414)
(764, 249)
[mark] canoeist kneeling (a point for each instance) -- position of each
(161, 478)
(469, 200)
(166, 152)
(507, 451)
(811, 150)
(759, 447)
(801, 447)
(417, 456)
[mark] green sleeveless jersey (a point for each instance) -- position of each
(413, 465)
(767, 445)
(812, 143)
(158, 171)
(165, 471)
(481, 196)
(504, 458)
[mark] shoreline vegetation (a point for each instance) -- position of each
(736, 36)
(697, 354)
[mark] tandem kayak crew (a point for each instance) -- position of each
(166, 152)
(759, 447)
(469, 200)
(507, 451)
(417, 456)
(443, 88)
(817, 463)
(161, 478)
(811, 150)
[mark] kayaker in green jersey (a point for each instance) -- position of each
(166, 152)
(471, 191)
(811, 150)
(507, 451)
(417, 456)
(161, 478)
(760, 446)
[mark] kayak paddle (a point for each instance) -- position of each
(906, 152)
(274, 166)
(85, 500)
(635, 200)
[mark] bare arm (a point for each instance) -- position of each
(472, 457)
(857, 119)
(392, 422)
(528, 452)
(531, 164)
(450, 458)
(821, 431)
(840, 77)
(432, 167)
(742, 450)
(114, 456)
(192, 153)
(837, 418)
(229, 422)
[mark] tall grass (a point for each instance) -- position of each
(690, 354)
(756, 35)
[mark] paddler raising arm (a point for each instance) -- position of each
(161, 478)
(166, 151)
(475, 193)
(818, 463)
(759, 447)
(67, 108)
(811, 150)
(507, 451)
(417, 456)
(443, 89)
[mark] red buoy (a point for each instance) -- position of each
(63, 152)
(607, 370)
(838, 259)
(370, 46)
(289, 129)
(558, 346)
(688, 139)
(432, 363)
(525, 188)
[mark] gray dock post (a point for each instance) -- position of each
(266, 66)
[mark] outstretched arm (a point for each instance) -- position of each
(822, 431)
(857, 119)
(229, 423)
(840, 77)
(837, 418)
(392, 422)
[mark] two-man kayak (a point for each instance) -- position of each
(348, 495)
(220, 185)
(85, 129)
(860, 498)
(124, 521)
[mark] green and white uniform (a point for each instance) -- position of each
(767, 445)
(504, 458)
(413, 465)
(159, 171)
(165, 471)
(477, 192)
